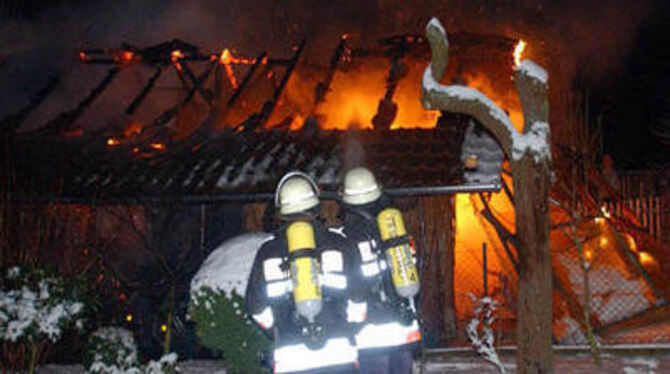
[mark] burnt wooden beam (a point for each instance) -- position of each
(247, 78)
(145, 92)
(205, 94)
(13, 121)
(258, 120)
(64, 120)
(168, 114)
(322, 88)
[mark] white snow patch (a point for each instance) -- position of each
(436, 23)
(534, 141)
(465, 94)
(228, 267)
(533, 70)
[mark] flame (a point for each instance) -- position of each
(605, 212)
(157, 146)
(226, 60)
(113, 142)
(646, 259)
(133, 129)
(603, 241)
(631, 242)
(175, 56)
(588, 255)
(127, 56)
(518, 51)
(83, 56)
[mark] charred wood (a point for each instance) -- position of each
(13, 121)
(65, 120)
(144, 93)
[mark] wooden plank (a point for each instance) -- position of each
(658, 314)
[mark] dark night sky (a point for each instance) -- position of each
(635, 100)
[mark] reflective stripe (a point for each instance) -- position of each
(265, 318)
(366, 251)
(387, 335)
(272, 269)
(356, 312)
(382, 264)
(332, 261)
(276, 289)
(337, 351)
(370, 269)
(334, 280)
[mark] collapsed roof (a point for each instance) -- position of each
(60, 160)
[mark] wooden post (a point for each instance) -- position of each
(529, 156)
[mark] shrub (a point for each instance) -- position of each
(222, 325)
(35, 310)
(112, 350)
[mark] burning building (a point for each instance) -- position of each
(205, 136)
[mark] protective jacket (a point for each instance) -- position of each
(390, 320)
(327, 343)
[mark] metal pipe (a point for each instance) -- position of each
(249, 197)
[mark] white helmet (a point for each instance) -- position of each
(296, 192)
(360, 187)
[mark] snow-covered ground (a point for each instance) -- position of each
(457, 363)
(185, 367)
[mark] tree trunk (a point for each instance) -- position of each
(531, 184)
(438, 299)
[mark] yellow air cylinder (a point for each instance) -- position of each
(304, 270)
(404, 274)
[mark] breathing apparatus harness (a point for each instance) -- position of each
(391, 291)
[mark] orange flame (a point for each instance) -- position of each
(127, 56)
(175, 56)
(226, 60)
(518, 52)
(157, 146)
(83, 56)
(646, 259)
(113, 142)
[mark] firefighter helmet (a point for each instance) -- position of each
(296, 193)
(360, 187)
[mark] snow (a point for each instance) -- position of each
(535, 141)
(534, 71)
(26, 313)
(484, 343)
(436, 23)
(228, 267)
(184, 367)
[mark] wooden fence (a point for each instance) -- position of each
(646, 194)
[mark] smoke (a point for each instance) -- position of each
(564, 36)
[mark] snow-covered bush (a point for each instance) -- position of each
(112, 350)
(165, 365)
(217, 308)
(36, 308)
(222, 326)
(480, 332)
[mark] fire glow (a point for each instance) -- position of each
(518, 52)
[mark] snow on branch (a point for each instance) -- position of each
(531, 81)
(482, 338)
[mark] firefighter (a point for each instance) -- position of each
(297, 289)
(390, 333)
